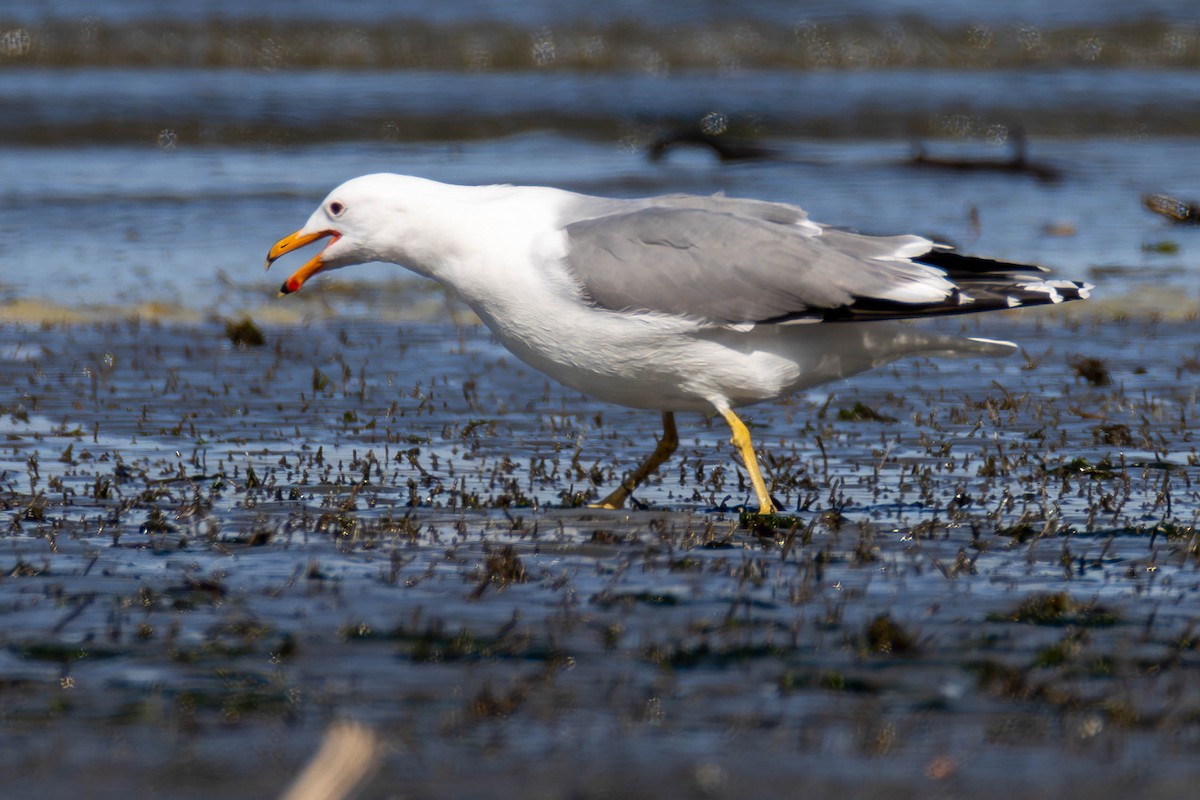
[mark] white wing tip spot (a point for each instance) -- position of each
(1050, 288)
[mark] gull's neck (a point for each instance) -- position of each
(481, 240)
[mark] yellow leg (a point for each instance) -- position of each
(662, 451)
(741, 440)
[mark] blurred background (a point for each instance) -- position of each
(150, 153)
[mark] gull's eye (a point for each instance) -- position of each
(336, 209)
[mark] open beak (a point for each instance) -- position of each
(294, 242)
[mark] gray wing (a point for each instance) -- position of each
(742, 261)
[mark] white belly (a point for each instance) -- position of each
(668, 364)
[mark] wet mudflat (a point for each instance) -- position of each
(990, 583)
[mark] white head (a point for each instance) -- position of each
(381, 217)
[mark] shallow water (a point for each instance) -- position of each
(150, 154)
(188, 229)
(213, 551)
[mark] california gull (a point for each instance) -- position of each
(672, 303)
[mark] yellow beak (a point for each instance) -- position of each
(294, 242)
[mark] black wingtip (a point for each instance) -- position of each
(957, 265)
(971, 297)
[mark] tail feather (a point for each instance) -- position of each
(992, 347)
(973, 347)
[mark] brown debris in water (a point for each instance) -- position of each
(244, 333)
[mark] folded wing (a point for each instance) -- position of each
(733, 262)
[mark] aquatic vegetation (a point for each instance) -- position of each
(1091, 369)
(1058, 608)
(205, 540)
(244, 333)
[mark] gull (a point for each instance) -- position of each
(671, 303)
